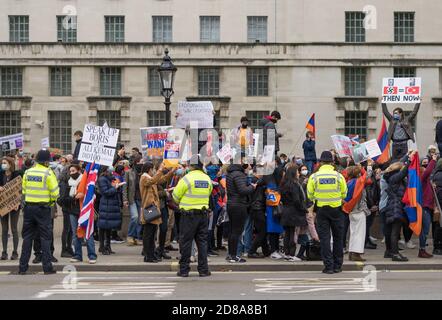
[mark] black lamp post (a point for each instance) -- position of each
(167, 76)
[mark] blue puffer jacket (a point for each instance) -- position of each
(309, 150)
(110, 207)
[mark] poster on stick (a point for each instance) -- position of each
(11, 142)
(195, 112)
(10, 197)
(343, 145)
(401, 90)
(152, 141)
(373, 149)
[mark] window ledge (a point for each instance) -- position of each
(16, 98)
(437, 99)
(207, 98)
(356, 98)
(109, 98)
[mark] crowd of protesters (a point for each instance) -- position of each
(253, 215)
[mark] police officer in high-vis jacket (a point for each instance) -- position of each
(40, 192)
(327, 188)
(192, 193)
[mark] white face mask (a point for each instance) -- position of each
(5, 167)
(304, 172)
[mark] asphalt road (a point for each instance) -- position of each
(424, 285)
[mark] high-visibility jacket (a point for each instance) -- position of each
(327, 187)
(193, 191)
(40, 185)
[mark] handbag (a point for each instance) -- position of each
(313, 251)
(223, 217)
(150, 214)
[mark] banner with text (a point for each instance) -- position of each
(10, 198)
(401, 90)
(11, 142)
(198, 113)
(343, 145)
(152, 141)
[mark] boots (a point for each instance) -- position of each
(301, 252)
(424, 254)
(353, 256)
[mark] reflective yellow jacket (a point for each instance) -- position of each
(193, 191)
(327, 187)
(40, 185)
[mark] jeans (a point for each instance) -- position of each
(245, 242)
(426, 223)
(134, 230)
(78, 250)
(310, 165)
(237, 218)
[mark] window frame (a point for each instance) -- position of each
(213, 34)
(18, 30)
(114, 79)
(62, 137)
(208, 81)
(356, 128)
(258, 30)
(351, 82)
(62, 87)
(111, 34)
(354, 27)
(258, 81)
(166, 33)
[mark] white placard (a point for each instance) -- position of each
(342, 145)
(98, 144)
(401, 90)
(45, 143)
(373, 149)
(198, 113)
(268, 155)
(359, 153)
(225, 154)
(11, 142)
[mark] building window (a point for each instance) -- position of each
(60, 81)
(162, 28)
(255, 118)
(210, 29)
(257, 82)
(19, 28)
(110, 81)
(257, 29)
(67, 28)
(114, 26)
(154, 82)
(405, 72)
(404, 27)
(11, 81)
(354, 27)
(60, 130)
(208, 81)
(356, 123)
(113, 119)
(156, 118)
(355, 79)
(10, 123)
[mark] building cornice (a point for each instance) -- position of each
(209, 98)
(16, 98)
(356, 98)
(109, 98)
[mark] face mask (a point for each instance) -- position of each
(179, 172)
(396, 117)
(298, 162)
(5, 167)
(245, 166)
(75, 176)
(110, 169)
(304, 172)
(244, 125)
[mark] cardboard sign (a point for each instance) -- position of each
(401, 90)
(343, 145)
(45, 143)
(200, 112)
(11, 142)
(359, 153)
(225, 154)
(373, 149)
(98, 144)
(152, 141)
(10, 198)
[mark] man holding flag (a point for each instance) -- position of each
(309, 145)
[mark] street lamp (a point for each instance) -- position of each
(167, 77)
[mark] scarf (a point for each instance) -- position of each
(74, 184)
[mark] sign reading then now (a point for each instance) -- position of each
(401, 90)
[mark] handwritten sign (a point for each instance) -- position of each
(10, 198)
(98, 144)
(225, 154)
(200, 112)
(45, 143)
(373, 149)
(401, 90)
(152, 141)
(343, 145)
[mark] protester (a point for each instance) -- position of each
(309, 151)
(109, 210)
(242, 136)
(7, 174)
(436, 180)
(432, 151)
(78, 137)
(119, 173)
(373, 197)
(120, 154)
(268, 124)
(132, 200)
(294, 211)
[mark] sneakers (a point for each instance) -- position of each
(50, 272)
(292, 259)
(255, 256)
(192, 259)
(65, 254)
(54, 259)
(372, 239)
(117, 240)
(212, 253)
(131, 242)
(182, 274)
(74, 260)
(328, 271)
(410, 245)
(424, 254)
(205, 274)
(276, 255)
(237, 260)
(92, 261)
(399, 258)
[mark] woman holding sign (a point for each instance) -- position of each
(7, 174)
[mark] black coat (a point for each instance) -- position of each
(439, 132)
(69, 204)
(373, 193)
(437, 180)
(309, 150)
(77, 149)
(397, 185)
(14, 175)
(258, 202)
(238, 191)
(294, 207)
(266, 125)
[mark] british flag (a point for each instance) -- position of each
(86, 219)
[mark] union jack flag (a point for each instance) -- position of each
(86, 218)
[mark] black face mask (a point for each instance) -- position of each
(245, 166)
(75, 176)
(244, 125)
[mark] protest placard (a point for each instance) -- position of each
(359, 153)
(225, 154)
(268, 155)
(373, 149)
(45, 143)
(342, 145)
(98, 144)
(172, 148)
(11, 142)
(200, 112)
(401, 90)
(152, 141)
(10, 198)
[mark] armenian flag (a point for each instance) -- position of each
(384, 144)
(87, 213)
(311, 125)
(355, 188)
(413, 196)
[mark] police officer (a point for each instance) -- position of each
(40, 191)
(192, 193)
(327, 188)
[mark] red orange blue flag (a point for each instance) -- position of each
(413, 196)
(311, 125)
(384, 144)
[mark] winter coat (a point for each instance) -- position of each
(439, 133)
(77, 149)
(427, 189)
(397, 185)
(258, 202)
(373, 191)
(267, 124)
(238, 191)
(69, 204)
(110, 206)
(437, 180)
(129, 188)
(309, 150)
(405, 122)
(294, 208)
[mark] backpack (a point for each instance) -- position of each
(273, 197)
